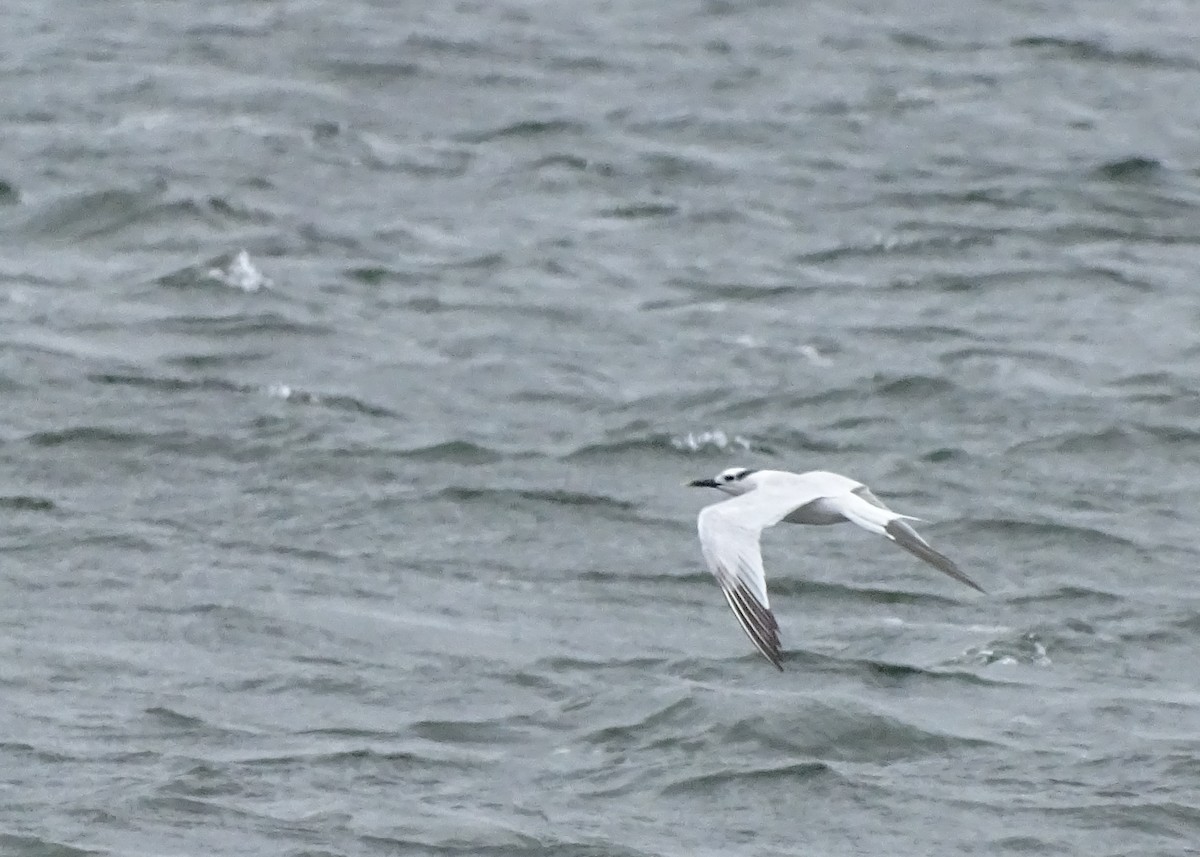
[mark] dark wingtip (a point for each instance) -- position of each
(909, 539)
(757, 621)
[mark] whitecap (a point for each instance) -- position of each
(716, 439)
(290, 394)
(241, 273)
(1026, 648)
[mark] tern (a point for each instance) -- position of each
(730, 529)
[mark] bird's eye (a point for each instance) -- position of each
(728, 477)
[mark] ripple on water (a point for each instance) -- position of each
(535, 496)
(37, 846)
(288, 393)
(1098, 51)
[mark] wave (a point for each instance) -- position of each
(286, 392)
(12, 843)
(373, 72)
(471, 836)
(175, 718)
(238, 272)
(103, 214)
(1160, 388)
(551, 496)
(569, 664)
(27, 503)
(233, 270)
(830, 591)
(787, 774)
(712, 671)
(453, 452)
(101, 436)
(178, 442)
(676, 713)
(791, 735)
(353, 757)
(434, 305)
(891, 245)
(525, 129)
(933, 44)
(717, 439)
(456, 453)
(1026, 356)
(1012, 529)
(769, 441)
(1132, 168)
(902, 388)
(848, 732)
(653, 442)
(1111, 439)
(215, 627)
(487, 732)
(334, 401)
(1026, 647)
(728, 291)
(1096, 51)
(874, 669)
(1065, 593)
(240, 324)
(906, 387)
(638, 211)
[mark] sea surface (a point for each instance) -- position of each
(353, 355)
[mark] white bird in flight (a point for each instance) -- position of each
(729, 532)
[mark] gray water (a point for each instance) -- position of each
(372, 541)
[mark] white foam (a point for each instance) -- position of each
(241, 273)
(693, 442)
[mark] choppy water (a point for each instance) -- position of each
(371, 540)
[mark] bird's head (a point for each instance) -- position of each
(732, 480)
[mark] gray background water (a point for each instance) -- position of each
(389, 555)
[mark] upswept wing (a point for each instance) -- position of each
(877, 518)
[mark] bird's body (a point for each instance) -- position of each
(729, 533)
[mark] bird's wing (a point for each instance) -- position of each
(729, 533)
(904, 535)
(877, 518)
